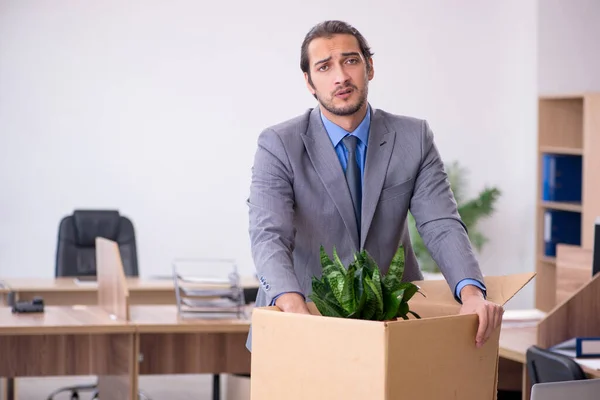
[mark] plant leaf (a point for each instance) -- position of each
(359, 289)
(335, 281)
(319, 287)
(403, 309)
(326, 308)
(325, 300)
(371, 307)
(415, 314)
(393, 278)
(337, 261)
(328, 265)
(348, 299)
(370, 263)
(392, 303)
(409, 290)
(358, 311)
(477, 239)
(359, 258)
(325, 260)
(375, 286)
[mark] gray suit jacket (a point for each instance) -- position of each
(299, 200)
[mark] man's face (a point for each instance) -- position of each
(339, 74)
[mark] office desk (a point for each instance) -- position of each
(67, 341)
(172, 345)
(67, 291)
(168, 344)
(514, 342)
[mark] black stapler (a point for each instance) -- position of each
(34, 306)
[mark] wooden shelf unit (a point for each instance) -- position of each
(570, 125)
(561, 150)
(562, 205)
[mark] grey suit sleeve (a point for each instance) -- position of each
(271, 213)
(437, 219)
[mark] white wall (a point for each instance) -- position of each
(154, 108)
(569, 49)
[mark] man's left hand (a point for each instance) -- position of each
(490, 314)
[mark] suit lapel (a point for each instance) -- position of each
(324, 158)
(379, 151)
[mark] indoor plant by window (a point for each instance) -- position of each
(471, 212)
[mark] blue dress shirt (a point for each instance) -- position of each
(336, 134)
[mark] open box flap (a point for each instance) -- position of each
(500, 289)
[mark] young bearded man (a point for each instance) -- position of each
(345, 174)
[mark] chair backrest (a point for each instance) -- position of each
(76, 248)
(545, 366)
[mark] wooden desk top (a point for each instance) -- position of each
(72, 285)
(61, 320)
(164, 319)
(514, 342)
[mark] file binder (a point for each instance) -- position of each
(579, 347)
(562, 177)
(561, 227)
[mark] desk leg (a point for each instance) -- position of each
(216, 387)
(526, 390)
(119, 380)
(9, 389)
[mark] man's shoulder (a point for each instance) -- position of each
(292, 126)
(398, 120)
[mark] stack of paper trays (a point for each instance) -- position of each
(216, 294)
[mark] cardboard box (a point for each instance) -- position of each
(300, 357)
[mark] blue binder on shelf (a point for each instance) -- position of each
(561, 227)
(562, 177)
(579, 347)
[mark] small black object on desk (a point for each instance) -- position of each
(34, 306)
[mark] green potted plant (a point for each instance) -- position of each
(471, 212)
(361, 291)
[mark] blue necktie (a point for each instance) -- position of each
(353, 177)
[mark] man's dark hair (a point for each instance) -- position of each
(327, 29)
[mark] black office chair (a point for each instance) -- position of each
(546, 366)
(76, 256)
(76, 250)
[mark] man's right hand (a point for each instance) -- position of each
(293, 303)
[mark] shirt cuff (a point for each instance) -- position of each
(466, 282)
(276, 297)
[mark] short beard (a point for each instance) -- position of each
(347, 110)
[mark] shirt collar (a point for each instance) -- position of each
(336, 133)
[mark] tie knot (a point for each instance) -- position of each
(350, 143)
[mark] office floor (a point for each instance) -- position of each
(179, 387)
